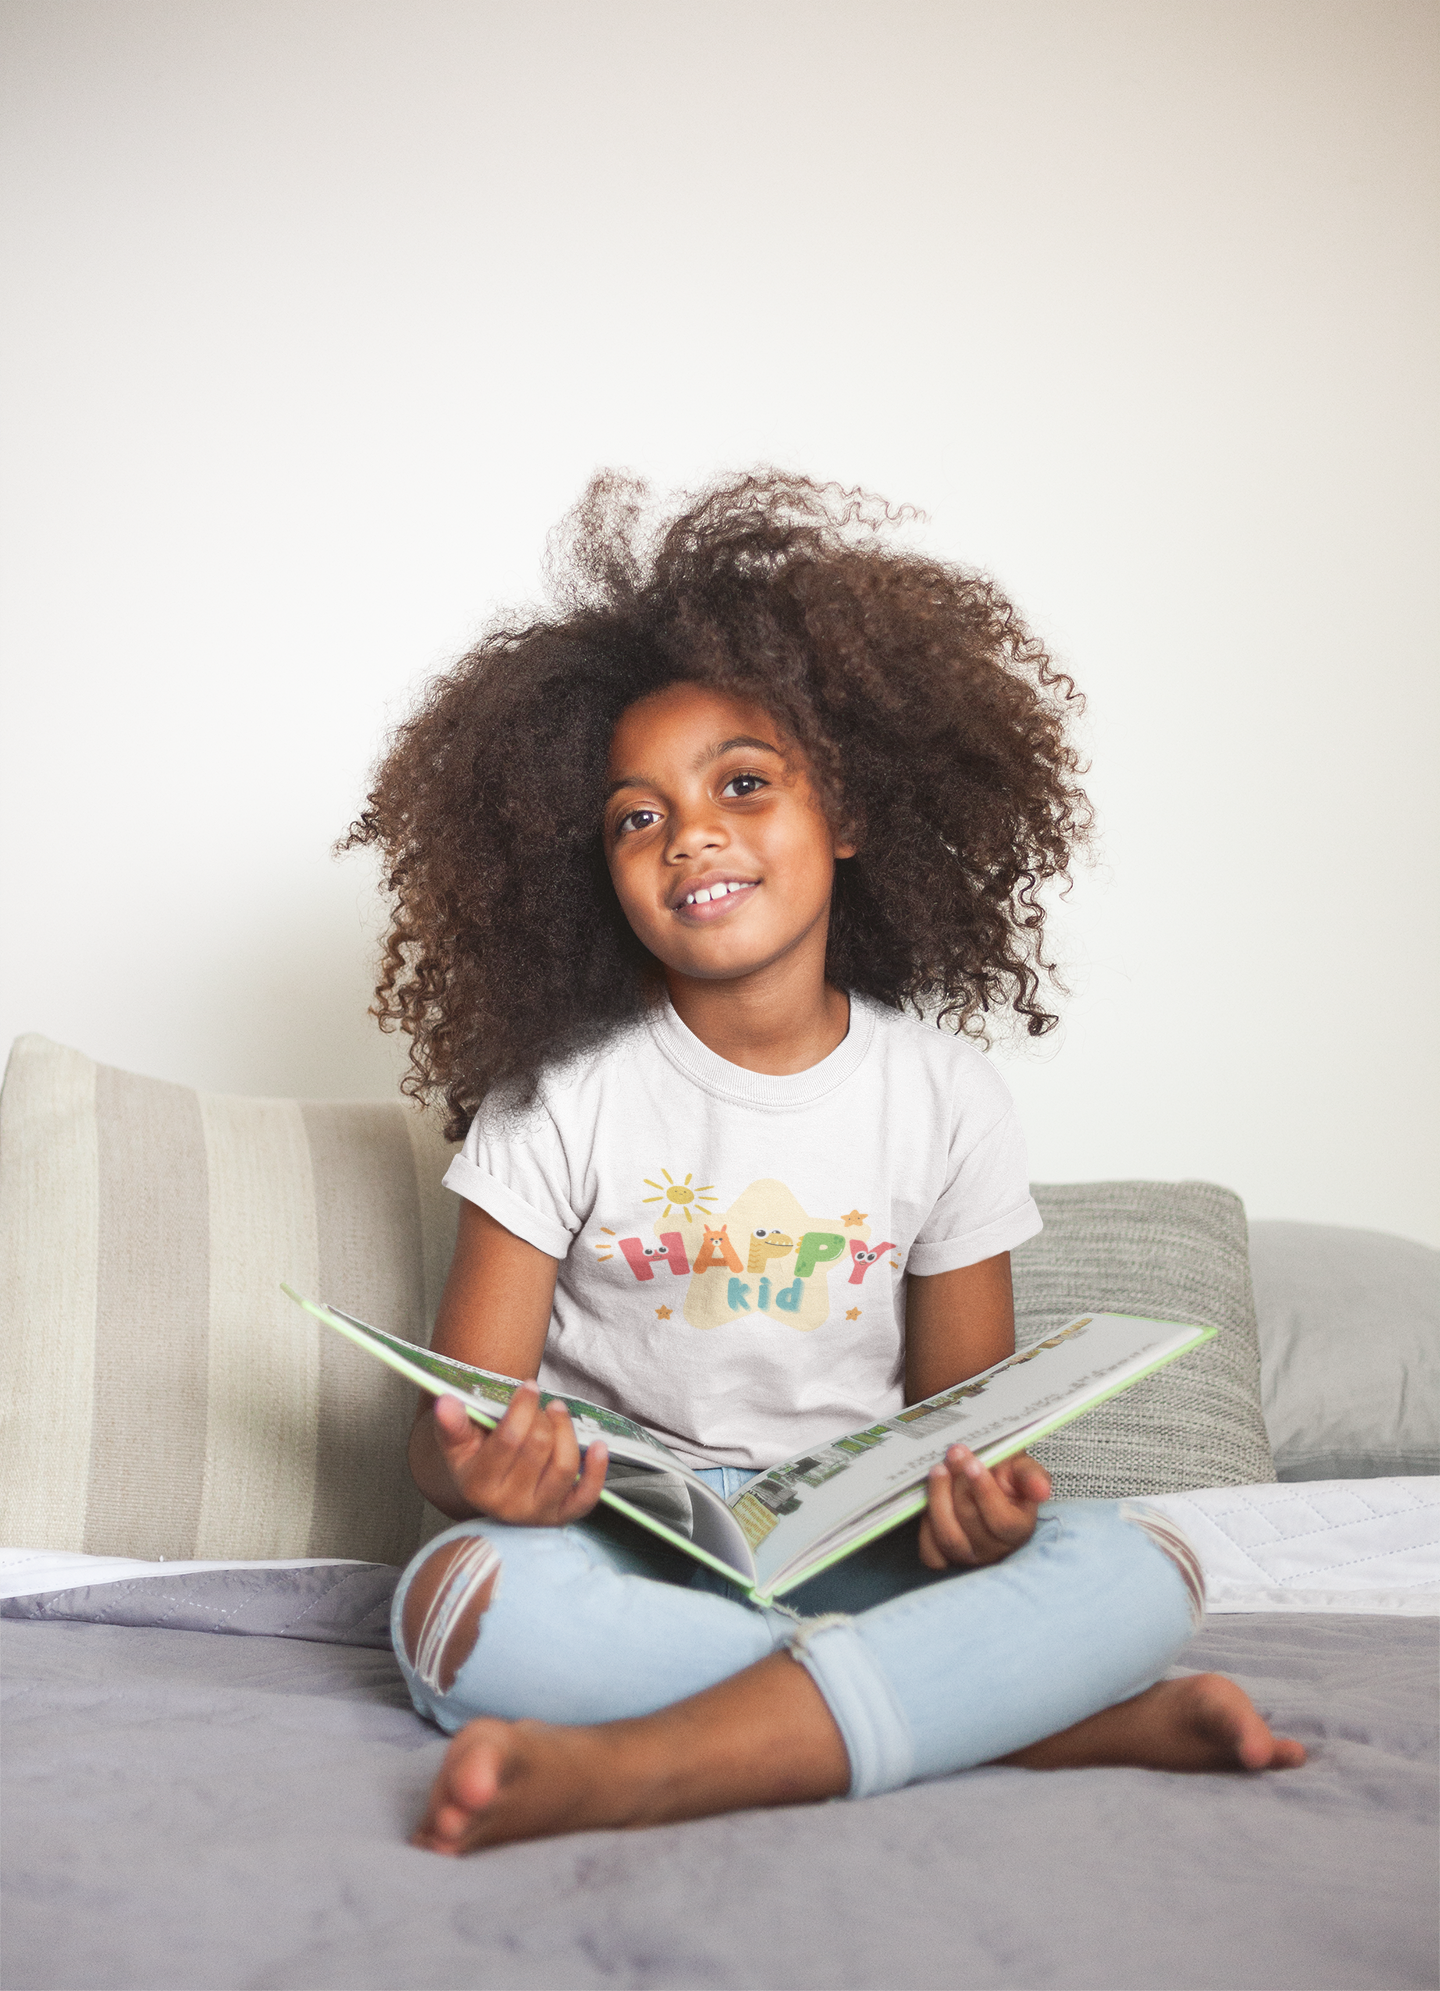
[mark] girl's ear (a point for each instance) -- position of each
(845, 846)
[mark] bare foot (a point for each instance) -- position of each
(1203, 1722)
(526, 1780)
(763, 1737)
(766, 1737)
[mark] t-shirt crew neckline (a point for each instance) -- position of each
(765, 1090)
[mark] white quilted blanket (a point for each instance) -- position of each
(1318, 1545)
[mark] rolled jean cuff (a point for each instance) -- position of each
(859, 1697)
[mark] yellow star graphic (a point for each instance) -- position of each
(853, 1217)
(853, 1313)
(662, 1313)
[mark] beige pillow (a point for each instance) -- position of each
(159, 1396)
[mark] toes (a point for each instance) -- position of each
(1237, 1729)
(443, 1830)
(1258, 1749)
(468, 1782)
(472, 1770)
(1254, 1746)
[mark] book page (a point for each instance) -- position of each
(625, 1438)
(794, 1512)
(664, 1497)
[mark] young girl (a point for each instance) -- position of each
(675, 873)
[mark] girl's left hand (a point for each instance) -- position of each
(976, 1516)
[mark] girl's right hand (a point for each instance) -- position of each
(976, 1516)
(527, 1470)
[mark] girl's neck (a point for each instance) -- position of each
(781, 1020)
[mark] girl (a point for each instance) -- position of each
(670, 869)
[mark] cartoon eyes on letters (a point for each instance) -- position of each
(669, 1251)
(865, 1256)
(766, 1243)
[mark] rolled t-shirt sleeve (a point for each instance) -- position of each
(985, 1207)
(513, 1167)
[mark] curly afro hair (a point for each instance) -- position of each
(933, 722)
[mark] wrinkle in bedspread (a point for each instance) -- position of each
(329, 1604)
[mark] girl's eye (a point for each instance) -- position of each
(636, 819)
(741, 785)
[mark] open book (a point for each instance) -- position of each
(798, 1518)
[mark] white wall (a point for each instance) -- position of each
(320, 312)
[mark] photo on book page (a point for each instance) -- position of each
(802, 1516)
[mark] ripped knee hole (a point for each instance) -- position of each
(448, 1596)
(1172, 1541)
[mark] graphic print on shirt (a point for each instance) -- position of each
(679, 1198)
(766, 1255)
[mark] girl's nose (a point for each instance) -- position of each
(690, 835)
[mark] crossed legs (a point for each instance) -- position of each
(763, 1733)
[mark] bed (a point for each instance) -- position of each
(210, 1764)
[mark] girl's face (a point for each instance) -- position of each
(721, 855)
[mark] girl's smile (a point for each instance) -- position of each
(710, 898)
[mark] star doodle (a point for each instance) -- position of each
(662, 1313)
(852, 1313)
(853, 1218)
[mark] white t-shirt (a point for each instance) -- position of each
(733, 1246)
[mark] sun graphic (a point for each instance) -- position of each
(680, 1198)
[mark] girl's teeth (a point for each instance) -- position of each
(705, 895)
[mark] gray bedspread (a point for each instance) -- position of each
(186, 1810)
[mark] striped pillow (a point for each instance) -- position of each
(159, 1396)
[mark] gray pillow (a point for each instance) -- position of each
(1166, 1251)
(1349, 1350)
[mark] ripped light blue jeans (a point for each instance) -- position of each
(925, 1672)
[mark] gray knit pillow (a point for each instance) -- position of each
(1168, 1251)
